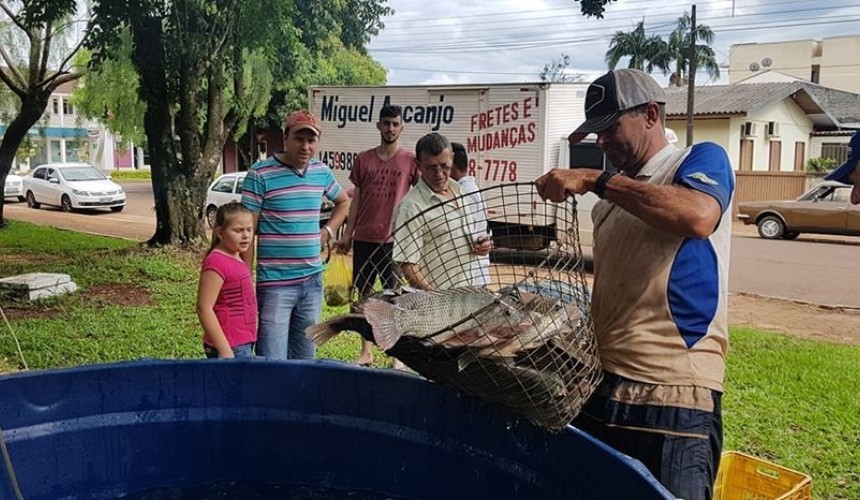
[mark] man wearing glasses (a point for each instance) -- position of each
(661, 254)
(434, 247)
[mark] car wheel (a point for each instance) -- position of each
(790, 235)
(66, 203)
(117, 209)
(31, 200)
(211, 211)
(771, 227)
(22, 199)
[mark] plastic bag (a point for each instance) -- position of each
(337, 280)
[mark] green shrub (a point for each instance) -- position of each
(820, 165)
(130, 175)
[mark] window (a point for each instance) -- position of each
(52, 174)
(68, 109)
(39, 173)
(840, 195)
(746, 154)
(588, 155)
(56, 152)
(239, 182)
(836, 150)
(775, 160)
(799, 156)
(224, 185)
(56, 106)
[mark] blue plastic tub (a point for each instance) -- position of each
(286, 430)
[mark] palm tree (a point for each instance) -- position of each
(677, 51)
(644, 51)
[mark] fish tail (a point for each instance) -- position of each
(321, 333)
(382, 317)
(466, 359)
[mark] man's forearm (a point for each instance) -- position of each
(414, 276)
(675, 209)
(353, 215)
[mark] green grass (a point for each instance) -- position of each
(130, 175)
(794, 402)
(797, 403)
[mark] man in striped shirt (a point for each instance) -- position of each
(284, 192)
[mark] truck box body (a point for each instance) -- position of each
(513, 133)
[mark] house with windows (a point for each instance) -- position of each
(770, 128)
(64, 136)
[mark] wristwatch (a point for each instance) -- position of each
(600, 185)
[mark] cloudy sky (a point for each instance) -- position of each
(484, 41)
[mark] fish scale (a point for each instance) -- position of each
(426, 313)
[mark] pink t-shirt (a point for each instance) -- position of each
(381, 184)
(236, 306)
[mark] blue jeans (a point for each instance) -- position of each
(239, 351)
(680, 446)
(285, 312)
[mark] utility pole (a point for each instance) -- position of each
(691, 77)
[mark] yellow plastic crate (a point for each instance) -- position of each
(744, 477)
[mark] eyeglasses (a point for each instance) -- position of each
(440, 166)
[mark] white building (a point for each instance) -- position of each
(64, 136)
(832, 62)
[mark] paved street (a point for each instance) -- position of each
(815, 269)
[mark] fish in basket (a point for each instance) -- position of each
(516, 350)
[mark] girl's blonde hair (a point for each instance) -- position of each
(222, 218)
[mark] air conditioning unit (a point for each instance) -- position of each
(773, 129)
(749, 129)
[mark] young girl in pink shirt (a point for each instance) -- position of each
(226, 300)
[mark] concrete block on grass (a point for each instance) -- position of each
(32, 286)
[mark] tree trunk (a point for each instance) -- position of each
(32, 107)
(178, 196)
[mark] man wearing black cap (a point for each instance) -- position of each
(849, 172)
(662, 233)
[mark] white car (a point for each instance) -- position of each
(228, 188)
(14, 187)
(223, 190)
(72, 186)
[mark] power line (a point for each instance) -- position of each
(508, 32)
(459, 47)
(671, 13)
(616, 9)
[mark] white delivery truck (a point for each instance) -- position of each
(513, 133)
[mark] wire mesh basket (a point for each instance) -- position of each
(514, 330)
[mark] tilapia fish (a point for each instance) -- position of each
(541, 327)
(439, 316)
(355, 321)
(452, 318)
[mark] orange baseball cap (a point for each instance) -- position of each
(302, 119)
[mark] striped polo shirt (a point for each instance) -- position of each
(288, 235)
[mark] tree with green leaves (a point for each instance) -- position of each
(39, 40)
(645, 52)
(557, 71)
(111, 92)
(200, 63)
(676, 56)
(593, 8)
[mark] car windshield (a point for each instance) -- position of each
(73, 174)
